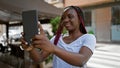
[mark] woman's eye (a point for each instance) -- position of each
(68, 16)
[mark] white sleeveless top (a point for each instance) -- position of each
(87, 40)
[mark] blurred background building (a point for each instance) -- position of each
(102, 17)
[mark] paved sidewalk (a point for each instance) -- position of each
(111, 47)
(106, 55)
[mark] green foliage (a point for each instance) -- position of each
(54, 22)
(90, 32)
(49, 59)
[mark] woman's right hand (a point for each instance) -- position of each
(24, 44)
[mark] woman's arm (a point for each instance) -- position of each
(38, 56)
(77, 59)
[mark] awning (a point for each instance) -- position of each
(12, 9)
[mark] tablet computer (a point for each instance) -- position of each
(30, 24)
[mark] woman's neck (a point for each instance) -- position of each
(72, 36)
(75, 34)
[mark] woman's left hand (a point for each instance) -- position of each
(41, 41)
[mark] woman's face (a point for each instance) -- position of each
(70, 20)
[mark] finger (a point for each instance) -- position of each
(21, 48)
(40, 28)
(38, 46)
(24, 46)
(23, 41)
(37, 42)
(22, 33)
(37, 37)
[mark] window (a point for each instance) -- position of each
(87, 15)
(116, 15)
